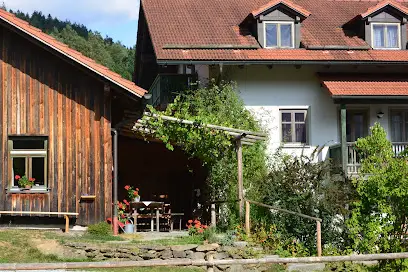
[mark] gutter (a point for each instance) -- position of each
(115, 182)
(337, 47)
(279, 62)
(384, 97)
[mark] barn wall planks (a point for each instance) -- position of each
(40, 94)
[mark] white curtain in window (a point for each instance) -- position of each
(379, 36)
(392, 36)
(286, 35)
(271, 32)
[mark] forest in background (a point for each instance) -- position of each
(105, 51)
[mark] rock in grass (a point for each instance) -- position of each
(183, 247)
(209, 247)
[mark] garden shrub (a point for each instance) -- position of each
(100, 229)
(306, 186)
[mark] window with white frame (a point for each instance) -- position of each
(399, 125)
(279, 34)
(28, 157)
(386, 35)
(294, 126)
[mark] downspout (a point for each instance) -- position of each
(115, 182)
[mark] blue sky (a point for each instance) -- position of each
(115, 18)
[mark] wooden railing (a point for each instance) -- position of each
(354, 158)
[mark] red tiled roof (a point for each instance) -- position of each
(74, 55)
(364, 85)
(274, 3)
(214, 22)
(382, 5)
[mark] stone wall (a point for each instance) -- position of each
(128, 252)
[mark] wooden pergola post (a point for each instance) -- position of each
(240, 178)
(343, 128)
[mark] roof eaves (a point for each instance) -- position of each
(274, 3)
(139, 92)
(382, 5)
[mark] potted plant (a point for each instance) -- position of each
(133, 194)
(24, 181)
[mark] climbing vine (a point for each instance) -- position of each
(217, 104)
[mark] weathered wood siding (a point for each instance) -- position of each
(40, 94)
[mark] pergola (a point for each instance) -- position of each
(239, 136)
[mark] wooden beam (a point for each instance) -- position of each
(343, 140)
(240, 178)
(319, 238)
(189, 262)
(39, 213)
(247, 218)
(66, 223)
(213, 216)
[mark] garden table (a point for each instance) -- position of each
(154, 208)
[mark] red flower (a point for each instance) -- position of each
(32, 179)
(137, 189)
(205, 227)
(197, 226)
(190, 221)
(127, 187)
(120, 206)
(122, 215)
(135, 193)
(200, 231)
(17, 177)
(189, 226)
(126, 202)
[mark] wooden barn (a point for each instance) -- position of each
(58, 109)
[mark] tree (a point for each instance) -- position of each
(105, 51)
(217, 105)
(379, 217)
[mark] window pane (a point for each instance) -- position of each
(392, 36)
(379, 36)
(286, 35)
(271, 35)
(19, 168)
(300, 133)
(359, 125)
(396, 127)
(299, 117)
(286, 117)
(286, 133)
(28, 144)
(37, 170)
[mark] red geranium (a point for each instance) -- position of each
(17, 177)
(32, 179)
(126, 202)
(127, 187)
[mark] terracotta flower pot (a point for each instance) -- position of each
(28, 186)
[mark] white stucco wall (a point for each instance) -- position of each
(266, 91)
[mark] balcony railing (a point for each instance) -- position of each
(167, 86)
(354, 158)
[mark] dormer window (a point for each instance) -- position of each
(385, 25)
(277, 24)
(279, 34)
(386, 35)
